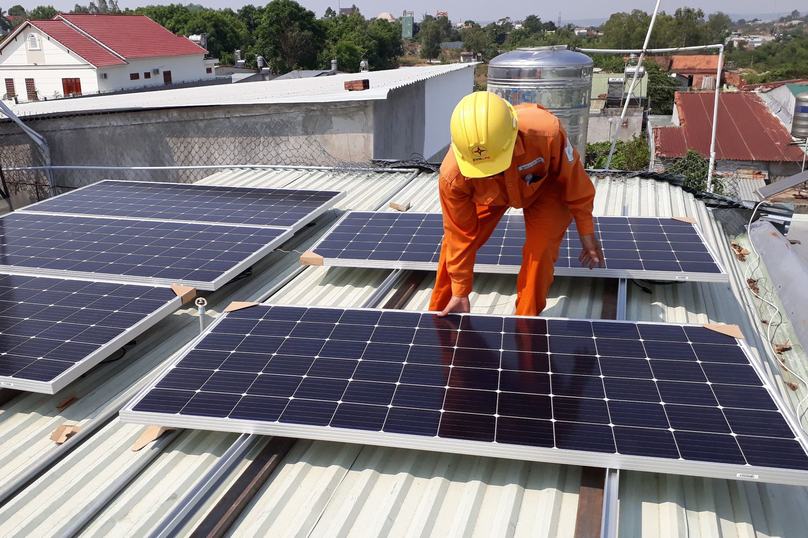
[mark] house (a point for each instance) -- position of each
(748, 135)
(75, 54)
(304, 121)
(781, 100)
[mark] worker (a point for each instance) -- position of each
(502, 157)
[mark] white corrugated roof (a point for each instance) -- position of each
(337, 489)
(307, 90)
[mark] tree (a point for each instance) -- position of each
(80, 9)
(476, 40)
(633, 155)
(224, 30)
(430, 37)
(718, 25)
(42, 13)
(661, 89)
(290, 37)
(173, 16)
(17, 11)
(251, 16)
(694, 168)
(5, 24)
(329, 13)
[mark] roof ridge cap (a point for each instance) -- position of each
(60, 17)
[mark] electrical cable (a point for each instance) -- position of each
(772, 306)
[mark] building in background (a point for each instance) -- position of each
(748, 137)
(73, 55)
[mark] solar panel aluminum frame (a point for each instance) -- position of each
(297, 226)
(213, 285)
(598, 272)
(93, 359)
(493, 449)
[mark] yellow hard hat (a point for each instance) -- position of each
(484, 128)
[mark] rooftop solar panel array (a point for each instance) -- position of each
(285, 208)
(685, 399)
(54, 330)
(634, 247)
(204, 256)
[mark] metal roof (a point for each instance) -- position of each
(328, 89)
(327, 489)
(747, 129)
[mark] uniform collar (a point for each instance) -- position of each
(519, 147)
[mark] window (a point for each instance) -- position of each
(146, 74)
(208, 70)
(10, 92)
(32, 41)
(134, 76)
(30, 88)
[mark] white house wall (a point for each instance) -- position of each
(52, 54)
(188, 68)
(441, 96)
(48, 80)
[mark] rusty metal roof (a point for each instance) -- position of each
(747, 130)
(700, 64)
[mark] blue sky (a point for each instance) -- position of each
(460, 10)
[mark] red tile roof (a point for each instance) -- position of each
(78, 43)
(701, 64)
(132, 36)
(747, 130)
(105, 40)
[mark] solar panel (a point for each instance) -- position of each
(159, 253)
(685, 399)
(54, 330)
(193, 203)
(634, 247)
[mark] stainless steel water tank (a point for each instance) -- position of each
(799, 125)
(558, 79)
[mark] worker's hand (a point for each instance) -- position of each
(591, 254)
(456, 304)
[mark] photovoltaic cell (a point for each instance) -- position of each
(200, 255)
(634, 247)
(600, 393)
(285, 208)
(54, 330)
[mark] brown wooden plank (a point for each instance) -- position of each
(403, 293)
(608, 309)
(240, 494)
(590, 503)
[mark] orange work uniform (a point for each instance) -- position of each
(546, 179)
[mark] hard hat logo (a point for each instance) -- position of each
(480, 151)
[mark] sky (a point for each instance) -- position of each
(486, 10)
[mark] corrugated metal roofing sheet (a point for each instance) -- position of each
(747, 130)
(334, 489)
(307, 90)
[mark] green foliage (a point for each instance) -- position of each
(224, 30)
(17, 11)
(430, 35)
(693, 167)
(784, 58)
(633, 155)
(476, 39)
(661, 89)
(290, 37)
(686, 27)
(352, 38)
(42, 13)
